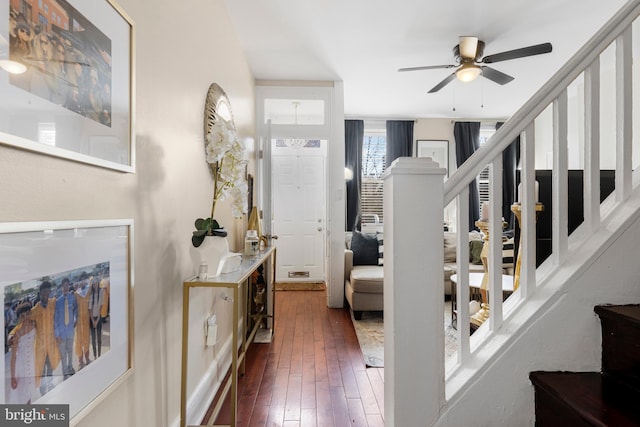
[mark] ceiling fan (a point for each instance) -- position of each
(468, 55)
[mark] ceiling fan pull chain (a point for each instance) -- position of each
(454, 96)
(482, 93)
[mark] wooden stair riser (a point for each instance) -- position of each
(607, 398)
(620, 346)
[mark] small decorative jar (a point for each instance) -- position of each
(251, 243)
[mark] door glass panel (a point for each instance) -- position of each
(298, 143)
(294, 112)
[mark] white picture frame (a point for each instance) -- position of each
(34, 252)
(438, 150)
(76, 98)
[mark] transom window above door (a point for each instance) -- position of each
(295, 111)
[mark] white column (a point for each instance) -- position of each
(413, 292)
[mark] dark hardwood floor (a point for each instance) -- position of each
(312, 373)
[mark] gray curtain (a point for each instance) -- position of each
(399, 139)
(467, 136)
(353, 138)
(510, 160)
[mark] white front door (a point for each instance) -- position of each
(299, 210)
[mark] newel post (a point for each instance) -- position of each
(413, 292)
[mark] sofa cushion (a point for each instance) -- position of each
(450, 244)
(380, 237)
(365, 249)
(367, 279)
(507, 252)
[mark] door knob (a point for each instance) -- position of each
(319, 228)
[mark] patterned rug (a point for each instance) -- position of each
(370, 333)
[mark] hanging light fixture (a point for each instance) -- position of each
(295, 142)
(468, 72)
(468, 48)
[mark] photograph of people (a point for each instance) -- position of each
(96, 299)
(68, 60)
(47, 353)
(66, 317)
(55, 321)
(82, 325)
(23, 373)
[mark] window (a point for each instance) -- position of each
(486, 131)
(295, 112)
(374, 154)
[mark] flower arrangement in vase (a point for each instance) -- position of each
(224, 153)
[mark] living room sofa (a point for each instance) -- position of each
(364, 282)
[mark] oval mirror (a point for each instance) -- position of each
(216, 107)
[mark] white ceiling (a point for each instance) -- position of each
(364, 42)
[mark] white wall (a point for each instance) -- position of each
(180, 51)
(440, 129)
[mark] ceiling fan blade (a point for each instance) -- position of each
(496, 76)
(427, 67)
(468, 47)
(443, 83)
(518, 53)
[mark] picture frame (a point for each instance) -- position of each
(75, 98)
(438, 150)
(96, 257)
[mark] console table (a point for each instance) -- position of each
(239, 282)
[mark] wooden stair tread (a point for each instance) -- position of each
(584, 393)
(628, 312)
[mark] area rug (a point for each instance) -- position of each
(370, 333)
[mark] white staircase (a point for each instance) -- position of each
(548, 323)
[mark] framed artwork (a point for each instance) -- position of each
(438, 150)
(66, 289)
(66, 80)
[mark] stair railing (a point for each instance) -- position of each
(582, 72)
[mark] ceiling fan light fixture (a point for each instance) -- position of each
(468, 72)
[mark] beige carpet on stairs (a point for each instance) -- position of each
(370, 333)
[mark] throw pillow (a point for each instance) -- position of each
(365, 249)
(507, 252)
(475, 249)
(380, 237)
